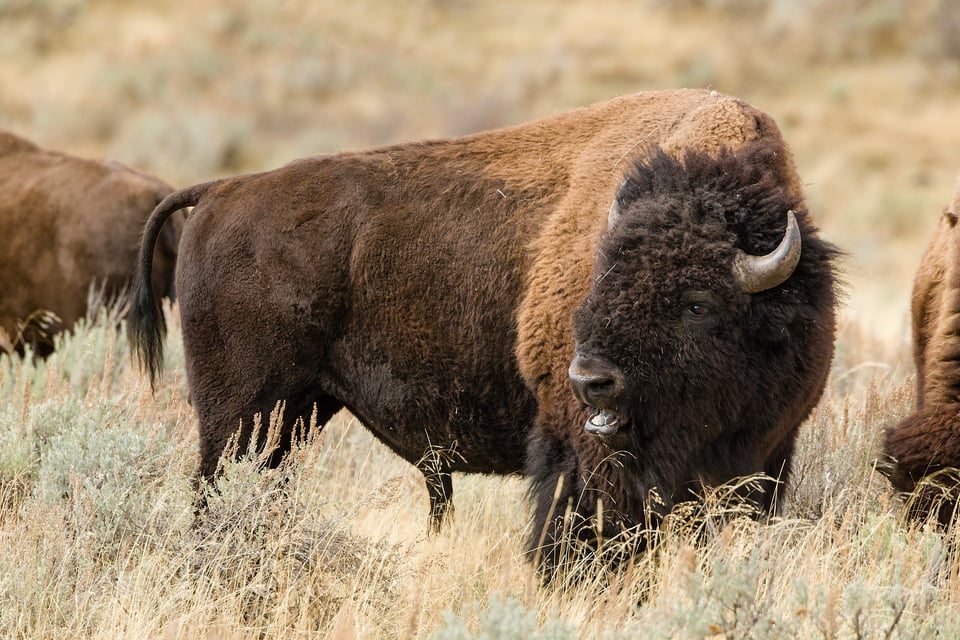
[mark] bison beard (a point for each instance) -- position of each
(430, 289)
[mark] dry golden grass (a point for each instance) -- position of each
(96, 535)
(98, 538)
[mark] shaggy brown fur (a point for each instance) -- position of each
(430, 288)
(927, 442)
(68, 223)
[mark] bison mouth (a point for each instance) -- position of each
(599, 385)
(603, 423)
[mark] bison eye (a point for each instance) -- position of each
(700, 307)
(699, 310)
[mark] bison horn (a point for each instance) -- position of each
(759, 273)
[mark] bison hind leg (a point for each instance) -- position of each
(269, 438)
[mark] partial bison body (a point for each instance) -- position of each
(68, 224)
(927, 442)
(501, 303)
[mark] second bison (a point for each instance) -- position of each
(926, 444)
(69, 224)
(506, 303)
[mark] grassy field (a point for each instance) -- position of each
(96, 535)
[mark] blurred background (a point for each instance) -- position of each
(867, 92)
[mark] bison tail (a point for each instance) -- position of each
(146, 326)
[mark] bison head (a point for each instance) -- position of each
(706, 336)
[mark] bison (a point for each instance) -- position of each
(926, 444)
(612, 301)
(69, 224)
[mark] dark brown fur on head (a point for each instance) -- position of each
(716, 380)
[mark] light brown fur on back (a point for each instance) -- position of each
(936, 313)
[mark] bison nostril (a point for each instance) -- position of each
(600, 388)
(596, 384)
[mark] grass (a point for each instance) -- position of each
(98, 537)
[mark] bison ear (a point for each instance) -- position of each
(614, 215)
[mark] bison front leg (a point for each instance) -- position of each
(440, 491)
(765, 492)
(577, 514)
(564, 520)
(554, 520)
(571, 525)
(922, 454)
(436, 472)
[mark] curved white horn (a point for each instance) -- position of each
(759, 273)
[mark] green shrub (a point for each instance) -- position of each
(504, 619)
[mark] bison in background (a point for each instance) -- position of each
(926, 444)
(505, 303)
(68, 225)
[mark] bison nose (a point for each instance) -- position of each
(596, 382)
